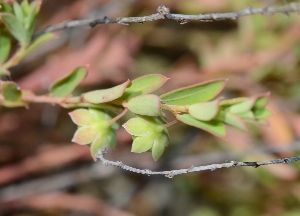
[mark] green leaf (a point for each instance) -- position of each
(242, 107)
(232, 120)
(4, 7)
(66, 85)
(148, 133)
(105, 95)
(4, 45)
(15, 27)
(143, 85)
(214, 127)
(205, 111)
(25, 7)
(195, 93)
(103, 139)
(84, 135)
(158, 148)
(136, 126)
(261, 113)
(148, 104)
(18, 11)
(39, 41)
(261, 101)
(82, 117)
(142, 144)
(247, 115)
(10, 91)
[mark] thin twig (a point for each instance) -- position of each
(211, 167)
(164, 13)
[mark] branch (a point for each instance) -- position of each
(164, 13)
(172, 173)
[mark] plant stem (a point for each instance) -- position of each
(118, 117)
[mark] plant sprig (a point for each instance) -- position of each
(97, 112)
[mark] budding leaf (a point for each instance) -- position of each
(93, 129)
(204, 111)
(148, 104)
(143, 85)
(148, 134)
(105, 95)
(214, 127)
(10, 91)
(194, 94)
(65, 86)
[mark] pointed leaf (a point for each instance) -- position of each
(232, 120)
(261, 101)
(247, 115)
(4, 45)
(4, 7)
(136, 126)
(214, 127)
(261, 113)
(205, 111)
(242, 107)
(148, 104)
(66, 85)
(39, 41)
(230, 102)
(84, 135)
(158, 149)
(103, 139)
(81, 117)
(143, 85)
(25, 7)
(10, 91)
(142, 144)
(18, 11)
(201, 92)
(106, 95)
(15, 27)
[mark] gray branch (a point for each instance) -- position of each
(172, 173)
(164, 13)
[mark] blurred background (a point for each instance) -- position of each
(43, 173)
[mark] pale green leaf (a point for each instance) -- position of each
(142, 144)
(148, 104)
(65, 86)
(158, 148)
(84, 135)
(10, 91)
(105, 95)
(18, 11)
(82, 117)
(204, 111)
(136, 126)
(201, 92)
(143, 85)
(242, 107)
(214, 127)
